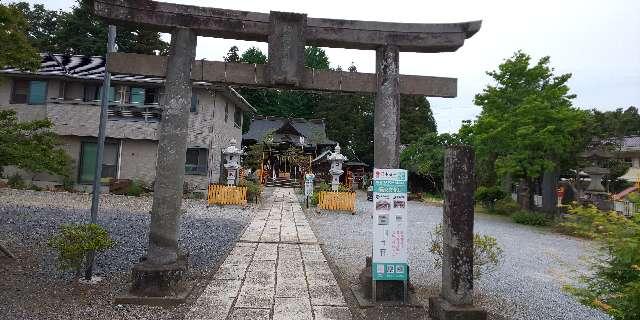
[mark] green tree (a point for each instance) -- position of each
(618, 123)
(15, 49)
(416, 118)
(79, 32)
(42, 25)
(232, 55)
(425, 158)
(527, 124)
(316, 58)
(31, 145)
(253, 55)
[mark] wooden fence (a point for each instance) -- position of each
(225, 195)
(338, 201)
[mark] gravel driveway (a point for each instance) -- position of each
(32, 288)
(526, 286)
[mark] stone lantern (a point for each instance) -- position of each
(232, 156)
(596, 192)
(336, 171)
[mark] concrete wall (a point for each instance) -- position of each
(211, 116)
(137, 160)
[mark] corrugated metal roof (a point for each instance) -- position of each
(92, 68)
(631, 143)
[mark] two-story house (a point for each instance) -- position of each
(67, 90)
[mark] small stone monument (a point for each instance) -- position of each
(232, 155)
(596, 193)
(336, 171)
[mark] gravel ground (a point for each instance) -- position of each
(32, 288)
(526, 286)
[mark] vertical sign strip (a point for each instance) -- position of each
(389, 225)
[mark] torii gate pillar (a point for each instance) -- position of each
(386, 132)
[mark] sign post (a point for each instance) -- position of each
(308, 186)
(389, 259)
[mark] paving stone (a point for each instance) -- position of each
(210, 309)
(292, 287)
(326, 295)
(292, 308)
(272, 277)
(255, 297)
(221, 289)
(249, 314)
(261, 273)
(266, 251)
(289, 252)
(331, 313)
(312, 253)
(232, 270)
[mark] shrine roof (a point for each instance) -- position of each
(288, 130)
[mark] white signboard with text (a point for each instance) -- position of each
(389, 224)
(308, 184)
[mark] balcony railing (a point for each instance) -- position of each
(121, 111)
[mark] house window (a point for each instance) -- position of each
(196, 161)
(226, 112)
(30, 92)
(237, 117)
(151, 95)
(136, 95)
(94, 93)
(194, 103)
(88, 154)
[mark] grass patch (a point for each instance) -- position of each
(530, 218)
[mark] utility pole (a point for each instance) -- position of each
(104, 105)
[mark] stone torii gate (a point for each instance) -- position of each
(287, 35)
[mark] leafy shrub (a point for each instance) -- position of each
(135, 189)
(73, 242)
(322, 186)
(67, 184)
(614, 283)
(530, 218)
(16, 182)
(487, 253)
(34, 187)
(505, 207)
(488, 196)
(428, 197)
(313, 199)
(587, 222)
(254, 189)
(343, 188)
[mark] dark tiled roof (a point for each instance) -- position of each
(312, 130)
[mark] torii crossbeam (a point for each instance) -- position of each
(287, 35)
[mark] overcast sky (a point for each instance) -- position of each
(597, 41)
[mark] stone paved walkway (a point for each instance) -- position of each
(276, 271)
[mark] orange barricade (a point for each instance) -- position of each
(226, 195)
(338, 201)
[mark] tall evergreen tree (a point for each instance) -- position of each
(79, 32)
